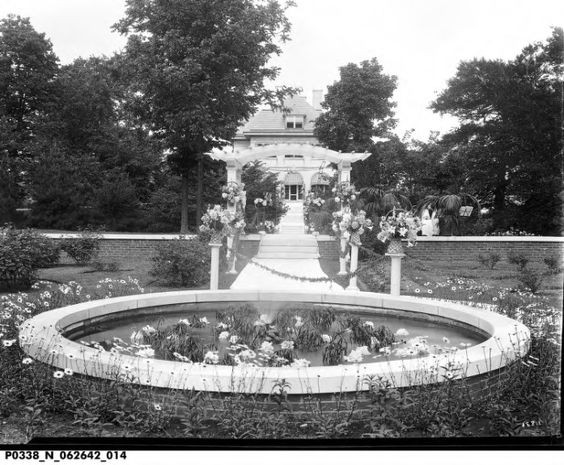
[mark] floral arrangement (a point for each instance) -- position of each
(233, 192)
(220, 222)
(312, 201)
(351, 226)
(345, 193)
(400, 225)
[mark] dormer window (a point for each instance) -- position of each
(295, 121)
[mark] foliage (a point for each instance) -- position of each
(359, 107)
(490, 260)
(553, 264)
(262, 184)
(532, 277)
(519, 259)
(509, 114)
(447, 208)
(22, 252)
(62, 186)
(183, 263)
(82, 249)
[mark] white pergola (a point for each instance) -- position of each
(236, 159)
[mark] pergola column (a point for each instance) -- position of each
(344, 171)
(234, 169)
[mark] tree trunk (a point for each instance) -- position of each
(200, 190)
(184, 207)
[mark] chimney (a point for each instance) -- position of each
(317, 97)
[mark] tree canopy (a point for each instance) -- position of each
(359, 107)
(510, 133)
(196, 69)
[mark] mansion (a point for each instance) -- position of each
(284, 142)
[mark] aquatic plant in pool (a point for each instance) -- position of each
(241, 335)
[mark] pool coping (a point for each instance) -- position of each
(41, 338)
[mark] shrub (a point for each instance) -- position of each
(22, 252)
(182, 263)
(553, 264)
(490, 260)
(518, 259)
(321, 221)
(532, 277)
(82, 249)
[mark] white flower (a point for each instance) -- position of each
(184, 322)
(287, 345)
(221, 326)
(369, 324)
(247, 354)
(136, 337)
(326, 338)
(68, 372)
(149, 330)
(58, 374)
(337, 199)
(353, 357)
(8, 342)
(266, 347)
(204, 320)
(363, 350)
(233, 339)
(211, 357)
(223, 335)
(299, 321)
(402, 332)
(157, 407)
(300, 362)
(27, 361)
(446, 340)
(146, 353)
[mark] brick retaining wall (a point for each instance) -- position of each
(457, 247)
(132, 247)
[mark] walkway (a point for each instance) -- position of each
(291, 252)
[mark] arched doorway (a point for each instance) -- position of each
(320, 183)
(293, 186)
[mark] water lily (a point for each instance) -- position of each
(287, 345)
(402, 332)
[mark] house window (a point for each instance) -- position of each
(295, 122)
(293, 156)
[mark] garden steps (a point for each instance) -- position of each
(290, 246)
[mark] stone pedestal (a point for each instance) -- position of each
(354, 265)
(395, 272)
(214, 272)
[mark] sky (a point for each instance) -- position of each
(419, 41)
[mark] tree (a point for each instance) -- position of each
(197, 69)
(511, 132)
(27, 69)
(359, 107)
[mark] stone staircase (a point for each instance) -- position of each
(291, 243)
(293, 221)
(291, 246)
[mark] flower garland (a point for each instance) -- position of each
(399, 224)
